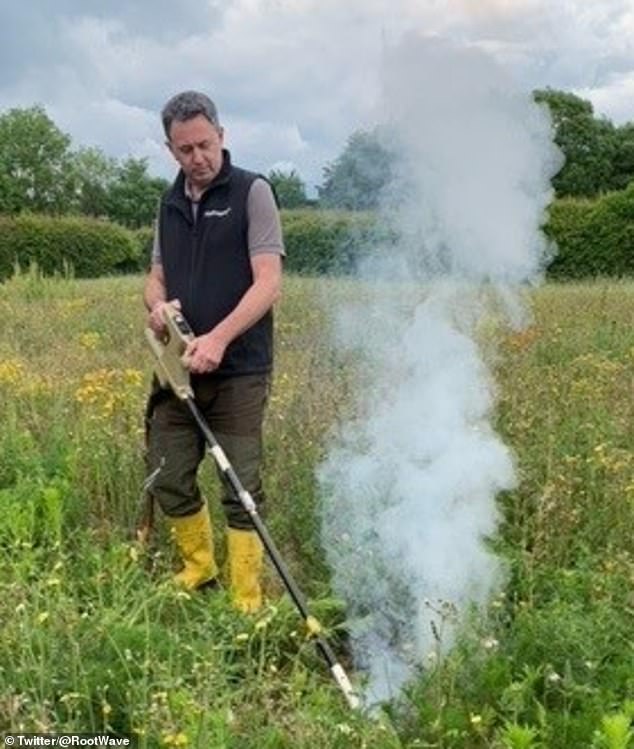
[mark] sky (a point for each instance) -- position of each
(292, 79)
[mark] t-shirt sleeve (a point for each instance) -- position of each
(265, 229)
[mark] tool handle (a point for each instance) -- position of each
(169, 348)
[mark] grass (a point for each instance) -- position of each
(94, 639)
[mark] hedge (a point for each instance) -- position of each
(144, 238)
(593, 237)
(319, 242)
(91, 247)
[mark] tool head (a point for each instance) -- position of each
(169, 349)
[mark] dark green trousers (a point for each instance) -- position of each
(234, 409)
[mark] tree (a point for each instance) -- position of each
(95, 174)
(134, 196)
(40, 173)
(289, 188)
(35, 163)
(588, 143)
(356, 178)
(623, 169)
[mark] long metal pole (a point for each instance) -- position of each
(245, 498)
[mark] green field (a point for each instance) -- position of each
(95, 638)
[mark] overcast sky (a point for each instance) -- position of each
(291, 78)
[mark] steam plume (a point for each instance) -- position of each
(409, 485)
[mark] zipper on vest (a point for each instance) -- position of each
(192, 263)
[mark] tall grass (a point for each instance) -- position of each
(95, 638)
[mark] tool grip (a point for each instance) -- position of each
(169, 348)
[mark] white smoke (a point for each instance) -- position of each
(409, 486)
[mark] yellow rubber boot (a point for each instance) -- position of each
(194, 539)
(245, 569)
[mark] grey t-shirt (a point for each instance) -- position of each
(265, 230)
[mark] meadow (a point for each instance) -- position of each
(94, 638)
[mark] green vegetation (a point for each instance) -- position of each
(592, 221)
(289, 188)
(83, 246)
(327, 242)
(599, 155)
(39, 172)
(594, 238)
(94, 637)
(355, 179)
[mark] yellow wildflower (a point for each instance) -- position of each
(11, 371)
(89, 340)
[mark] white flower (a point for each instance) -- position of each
(490, 643)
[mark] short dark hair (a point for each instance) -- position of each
(186, 105)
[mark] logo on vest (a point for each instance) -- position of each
(218, 214)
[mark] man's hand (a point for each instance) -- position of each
(156, 321)
(205, 353)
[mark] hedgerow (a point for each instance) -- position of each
(91, 247)
(593, 238)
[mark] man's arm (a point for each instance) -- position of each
(154, 297)
(154, 287)
(206, 351)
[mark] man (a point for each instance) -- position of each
(218, 256)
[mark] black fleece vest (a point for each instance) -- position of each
(207, 265)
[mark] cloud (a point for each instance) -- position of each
(292, 78)
(614, 99)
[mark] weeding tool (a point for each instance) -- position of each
(171, 372)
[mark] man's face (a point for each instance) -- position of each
(197, 146)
